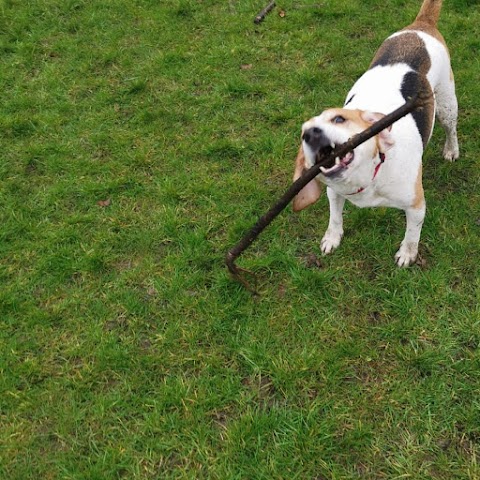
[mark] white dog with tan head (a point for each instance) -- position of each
(387, 169)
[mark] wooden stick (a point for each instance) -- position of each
(261, 16)
(340, 151)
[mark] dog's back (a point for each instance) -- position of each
(403, 65)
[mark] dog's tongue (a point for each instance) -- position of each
(338, 165)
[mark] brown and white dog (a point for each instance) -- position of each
(386, 170)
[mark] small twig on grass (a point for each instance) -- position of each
(261, 16)
(340, 151)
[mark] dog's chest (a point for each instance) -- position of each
(390, 183)
(371, 196)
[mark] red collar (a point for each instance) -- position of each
(375, 172)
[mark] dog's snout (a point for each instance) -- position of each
(312, 134)
(316, 138)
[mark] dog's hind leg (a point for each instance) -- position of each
(447, 113)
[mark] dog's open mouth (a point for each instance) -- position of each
(339, 163)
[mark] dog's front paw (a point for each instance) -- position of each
(407, 254)
(451, 152)
(330, 241)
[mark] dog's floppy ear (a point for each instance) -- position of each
(310, 193)
(385, 136)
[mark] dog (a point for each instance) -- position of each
(387, 169)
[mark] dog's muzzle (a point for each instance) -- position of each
(322, 146)
(318, 142)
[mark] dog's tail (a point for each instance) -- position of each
(430, 12)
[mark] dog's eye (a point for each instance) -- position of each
(338, 119)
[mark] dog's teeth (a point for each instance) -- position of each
(337, 161)
(332, 145)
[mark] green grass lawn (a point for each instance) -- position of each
(140, 139)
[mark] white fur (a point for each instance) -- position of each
(398, 181)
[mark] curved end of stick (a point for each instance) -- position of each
(230, 262)
(237, 272)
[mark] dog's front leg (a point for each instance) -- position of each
(333, 235)
(407, 254)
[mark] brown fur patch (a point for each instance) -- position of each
(363, 120)
(429, 29)
(299, 164)
(377, 148)
(419, 198)
(427, 20)
(429, 12)
(354, 116)
(406, 48)
(310, 192)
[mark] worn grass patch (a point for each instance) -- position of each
(140, 140)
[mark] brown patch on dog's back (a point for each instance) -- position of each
(406, 48)
(427, 28)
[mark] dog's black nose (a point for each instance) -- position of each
(311, 133)
(315, 138)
